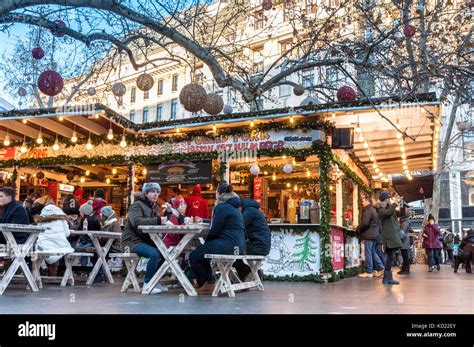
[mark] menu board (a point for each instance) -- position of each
(180, 172)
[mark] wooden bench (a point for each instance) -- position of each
(224, 262)
(69, 258)
(131, 262)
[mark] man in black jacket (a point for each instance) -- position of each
(13, 212)
(369, 229)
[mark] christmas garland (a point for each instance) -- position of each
(361, 165)
(350, 174)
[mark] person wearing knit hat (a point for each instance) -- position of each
(110, 223)
(144, 211)
(432, 243)
(99, 201)
(88, 221)
(197, 205)
(384, 196)
(86, 209)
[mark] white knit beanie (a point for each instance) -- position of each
(86, 208)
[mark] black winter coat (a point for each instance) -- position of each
(369, 227)
(15, 213)
(256, 227)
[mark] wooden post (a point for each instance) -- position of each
(339, 199)
(16, 181)
(355, 204)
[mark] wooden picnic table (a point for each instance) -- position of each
(18, 252)
(101, 251)
(171, 255)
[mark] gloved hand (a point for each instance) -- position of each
(167, 207)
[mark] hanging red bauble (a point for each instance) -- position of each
(267, 5)
(409, 30)
(21, 91)
(37, 53)
(58, 32)
(50, 83)
(346, 93)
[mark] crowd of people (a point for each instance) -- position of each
(237, 227)
(385, 225)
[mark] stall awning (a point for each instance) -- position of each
(419, 188)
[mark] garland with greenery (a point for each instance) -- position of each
(360, 165)
(350, 174)
(346, 273)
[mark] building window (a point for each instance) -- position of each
(332, 76)
(159, 84)
(308, 78)
(159, 112)
(146, 95)
(174, 107)
(258, 59)
(132, 116)
(258, 20)
(174, 83)
(145, 115)
(468, 145)
(286, 47)
(311, 6)
(285, 90)
(288, 8)
(332, 3)
(133, 94)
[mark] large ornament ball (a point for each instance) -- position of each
(298, 90)
(254, 170)
(409, 30)
(119, 89)
(288, 168)
(37, 53)
(145, 82)
(267, 5)
(214, 104)
(91, 91)
(193, 97)
(228, 109)
(21, 91)
(50, 83)
(70, 176)
(346, 93)
(40, 175)
(58, 32)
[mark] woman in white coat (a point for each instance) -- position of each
(54, 239)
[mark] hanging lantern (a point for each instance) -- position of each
(70, 176)
(37, 53)
(119, 89)
(214, 104)
(267, 5)
(193, 97)
(145, 82)
(298, 90)
(91, 91)
(346, 93)
(288, 168)
(228, 109)
(254, 169)
(50, 83)
(409, 30)
(58, 32)
(40, 175)
(21, 91)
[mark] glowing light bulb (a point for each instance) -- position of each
(145, 171)
(399, 135)
(74, 137)
(56, 146)
(288, 185)
(214, 128)
(402, 148)
(361, 138)
(123, 143)
(401, 142)
(292, 120)
(88, 173)
(107, 180)
(404, 156)
(252, 124)
(178, 130)
(23, 148)
(369, 152)
(377, 170)
(6, 142)
(83, 179)
(39, 140)
(372, 158)
(308, 173)
(405, 167)
(60, 118)
(274, 177)
(366, 145)
(374, 165)
(89, 145)
(358, 129)
(110, 135)
(333, 116)
(24, 121)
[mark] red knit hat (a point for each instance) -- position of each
(197, 189)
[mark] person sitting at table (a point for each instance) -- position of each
(144, 211)
(257, 234)
(13, 212)
(197, 205)
(226, 236)
(38, 206)
(99, 201)
(54, 238)
(176, 214)
(110, 223)
(28, 203)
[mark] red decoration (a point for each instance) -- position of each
(58, 32)
(37, 53)
(409, 30)
(346, 93)
(267, 5)
(21, 91)
(50, 83)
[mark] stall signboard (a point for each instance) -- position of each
(36, 153)
(337, 245)
(352, 252)
(293, 253)
(180, 172)
(7, 153)
(66, 188)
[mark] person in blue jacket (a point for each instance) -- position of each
(257, 234)
(226, 236)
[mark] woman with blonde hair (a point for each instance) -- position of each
(39, 204)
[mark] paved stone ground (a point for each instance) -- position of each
(421, 292)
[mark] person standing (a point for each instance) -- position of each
(369, 229)
(467, 244)
(144, 211)
(432, 244)
(449, 241)
(197, 205)
(386, 210)
(406, 227)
